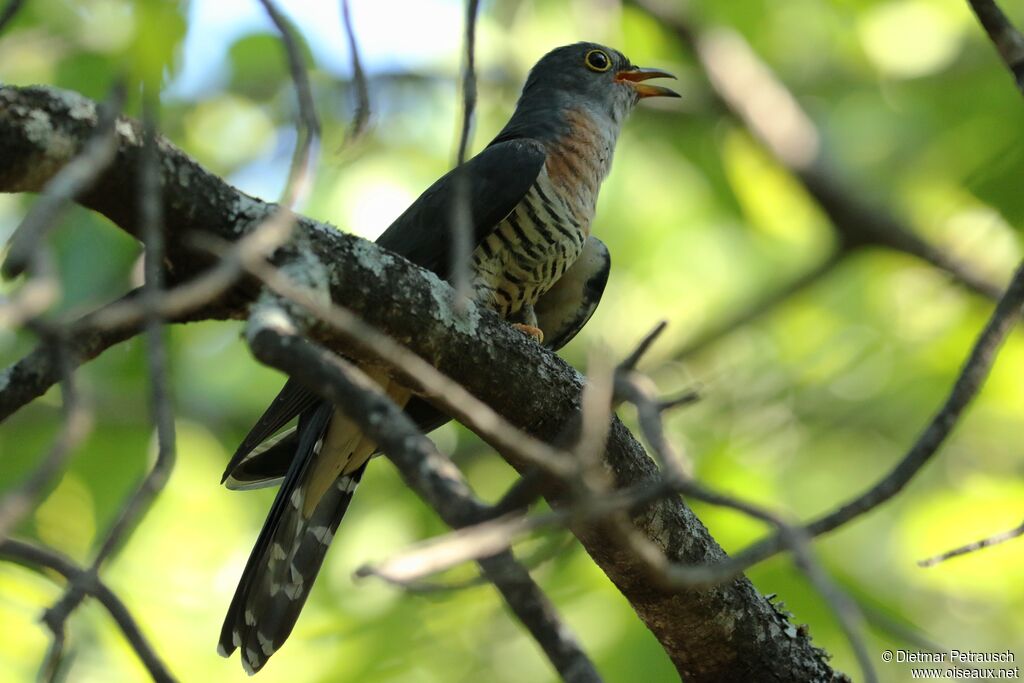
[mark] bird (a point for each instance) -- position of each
(531, 194)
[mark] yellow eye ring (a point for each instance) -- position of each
(597, 60)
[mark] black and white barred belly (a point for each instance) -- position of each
(530, 249)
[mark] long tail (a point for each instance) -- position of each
(329, 461)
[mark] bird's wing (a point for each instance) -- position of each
(494, 182)
(565, 308)
(561, 314)
(292, 400)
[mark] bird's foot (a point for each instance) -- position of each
(531, 331)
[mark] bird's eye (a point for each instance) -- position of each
(597, 60)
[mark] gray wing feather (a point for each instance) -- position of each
(496, 181)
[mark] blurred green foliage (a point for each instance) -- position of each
(804, 408)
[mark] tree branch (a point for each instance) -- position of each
(308, 125)
(433, 476)
(154, 481)
(968, 383)
(1008, 40)
(34, 556)
(361, 119)
(974, 547)
(745, 87)
(9, 12)
(76, 421)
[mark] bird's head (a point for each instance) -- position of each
(587, 76)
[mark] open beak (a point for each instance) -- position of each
(636, 75)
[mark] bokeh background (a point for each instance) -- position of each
(803, 408)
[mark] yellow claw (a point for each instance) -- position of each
(530, 330)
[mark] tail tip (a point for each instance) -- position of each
(251, 661)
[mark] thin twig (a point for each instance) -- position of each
(76, 422)
(973, 547)
(468, 81)
(452, 397)
(630, 362)
(40, 290)
(762, 306)
(35, 556)
(361, 119)
(969, 382)
(531, 560)
(678, 472)
(595, 419)
(152, 222)
(173, 304)
(441, 553)
(308, 126)
(462, 218)
(686, 398)
(745, 87)
(522, 493)
(640, 391)
(10, 11)
(275, 341)
(1007, 39)
(30, 377)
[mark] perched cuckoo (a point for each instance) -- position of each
(530, 195)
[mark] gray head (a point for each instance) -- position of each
(598, 80)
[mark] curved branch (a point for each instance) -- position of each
(30, 555)
(432, 475)
(30, 377)
(745, 87)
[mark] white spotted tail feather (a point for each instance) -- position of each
(329, 460)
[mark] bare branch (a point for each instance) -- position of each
(362, 116)
(153, 483)
(1007, 39)
(970, 380)
(761, 306)
(76, 421)
(9, 12)
(461, 220)
(434, 477)
(32, 556)
(973, 547)
(746, 88)
(308, 123)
